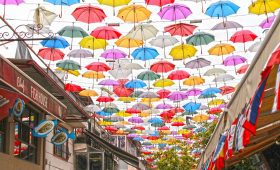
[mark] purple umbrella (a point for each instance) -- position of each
(108, 82)
(234, 60)
(163, 106)
(193, 92)
(267, 22)
(10, 2)
(174, 12)
(177, 96)
(113, 54)
(135, 120)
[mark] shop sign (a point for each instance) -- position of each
(24, 84)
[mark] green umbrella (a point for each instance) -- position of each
(148, 75)
(200, 38)
(68, 65)
(72, 32)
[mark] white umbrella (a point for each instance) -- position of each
(163, 41)
(142, 32)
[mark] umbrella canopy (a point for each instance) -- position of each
(180, 29)
(134, 13)
(68, 65)
(43, 16)
(89, 14)
(142, 32)
(174, 12)
(55, 42)
(105, 32)
(183, 51)
(222, 9)
(51, 54)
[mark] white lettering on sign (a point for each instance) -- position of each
(39, 97)
(20, 83)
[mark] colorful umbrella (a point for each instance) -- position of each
(105, 32)
(89, 14)
(174, 12)
(183, 51)
(51, 54)
(243, 36)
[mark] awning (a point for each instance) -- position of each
(125, 156)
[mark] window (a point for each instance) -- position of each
(26, 145)
(3, 130)
(61, 150)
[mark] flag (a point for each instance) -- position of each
(253, 114)
(276, 103)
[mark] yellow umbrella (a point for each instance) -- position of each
(200, 118)
(216, 102)
(114, 3)
(264, 6)
(122, 113)
(93, 43)
(183, 51)
(88, 93)
(127, 99)
(194, 80)
(163, 83)
(104, 123)
(134, 13)
(126, 42)
(221, 49)
(73, 72)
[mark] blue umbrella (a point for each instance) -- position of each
(192, 106)
(222, 9)
(155, 120)
(102, 113)
(135, 84)
(210, 91)
(144, 53)
(55, 42)
(63, 3)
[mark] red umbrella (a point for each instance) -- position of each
(121, 90)
(105, 32)
(177, 124)
(243, 36)
(104, 99)
(98, 67)
(163, 93)
(242, 69)
(51, 54)
(132, 111)
(72, 87)
(162, 67)
(226, 89)
(89, 14)
(180, 29)
(214, 110)
(178, 75)
(159, 3)
(138, 127)
(111, 129)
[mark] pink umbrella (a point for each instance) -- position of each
(163, 106)
(113, 54)
(177, 96)
(234, 60)
(109, 82)
(193, 92)
(267, 22)
(10, 2)
(174, 12)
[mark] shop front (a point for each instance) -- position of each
(23, 105)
